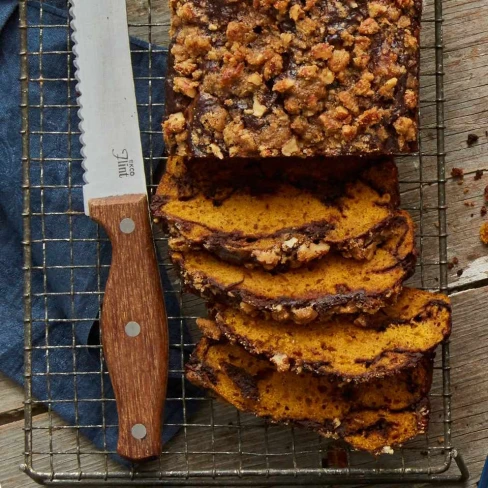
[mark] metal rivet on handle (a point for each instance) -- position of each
(132, 329)
(127, 226)
(139, 431)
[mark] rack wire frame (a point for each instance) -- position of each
(426, 459)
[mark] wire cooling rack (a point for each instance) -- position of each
(215, 444)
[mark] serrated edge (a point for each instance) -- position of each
(79, 98)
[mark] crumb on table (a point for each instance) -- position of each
(453, 262)
(457, 173)
(472, 139)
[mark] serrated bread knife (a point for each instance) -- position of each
(133, 320)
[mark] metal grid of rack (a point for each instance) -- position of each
(215, 444)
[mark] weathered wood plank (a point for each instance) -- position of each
(466, 90)
(12, 448)
(157, 32)
(11, 397)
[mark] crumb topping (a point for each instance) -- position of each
(265, 78)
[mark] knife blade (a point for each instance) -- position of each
(133, 318)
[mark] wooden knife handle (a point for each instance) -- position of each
(134, 325)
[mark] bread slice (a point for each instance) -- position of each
(327, 286)
(397, 338)
(373, 416)
(273, 214)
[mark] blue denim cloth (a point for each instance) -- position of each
(483, 482)
(52, 287)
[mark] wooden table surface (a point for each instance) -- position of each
(466, 112)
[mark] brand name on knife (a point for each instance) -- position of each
(125, 165)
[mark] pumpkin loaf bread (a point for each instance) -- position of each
(267, 78)
(373, 416)
(397, 338)
(272, 214)
(327, 286)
